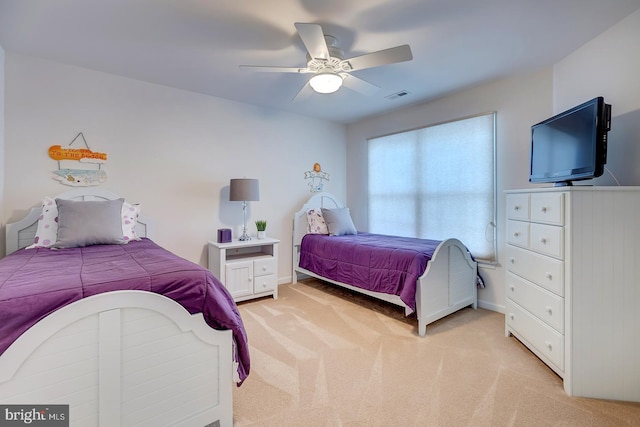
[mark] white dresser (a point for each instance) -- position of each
(573, 284)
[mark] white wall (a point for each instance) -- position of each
(2, 161)
(171, 150)
(519, 102)
(608, 65)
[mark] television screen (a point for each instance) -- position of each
(572, 145)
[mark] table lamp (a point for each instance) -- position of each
(244, 190)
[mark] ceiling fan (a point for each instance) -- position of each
(325, 60)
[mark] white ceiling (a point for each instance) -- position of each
(197, 45)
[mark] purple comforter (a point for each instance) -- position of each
(36, 282)
(387, 264)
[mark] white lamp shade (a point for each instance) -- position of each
(326, 82)
(243, 189)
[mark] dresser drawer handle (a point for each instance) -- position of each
(516, 208)
(512, 260)
(511, 316)
(543, 240)
(543, 209)
(549, 346)
(548, 310)
(513, 288)
(516, 234)
(548, 275)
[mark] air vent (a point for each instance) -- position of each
(397, 95)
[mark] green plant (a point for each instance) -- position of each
(261, 225)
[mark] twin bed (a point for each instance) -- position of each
(130, 334)
(431, 278)
(125, 334)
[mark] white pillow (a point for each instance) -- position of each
(316, 222)
(47, 231)
(130, 215)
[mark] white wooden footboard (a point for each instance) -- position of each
(447, 285)
(123, 358)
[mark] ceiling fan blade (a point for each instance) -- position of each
(313, 39)
(381, 57)
(304, 93)
(270, 69)
(359, 85)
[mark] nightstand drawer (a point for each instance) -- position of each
(518, 233)
(264, 266)
(543, 304)
(545, 340)
(265, 283)
(540, 269)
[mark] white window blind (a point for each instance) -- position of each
(436, 182)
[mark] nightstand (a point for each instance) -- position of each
(248, 269)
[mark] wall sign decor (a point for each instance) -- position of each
(316, 176)
(81, 176)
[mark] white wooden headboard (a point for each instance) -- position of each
(21, 233)
(318, 200)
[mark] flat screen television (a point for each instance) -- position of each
(572, 145)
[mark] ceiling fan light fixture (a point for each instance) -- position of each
(326, 81)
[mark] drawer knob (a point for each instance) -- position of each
(513, 288)
(543, 209)
(264, 268)
(548, 275)
(511, 316)
(516, 234)
(512, 260)
(548, 310)
(516, 208)
(549, 346)
(543, 240)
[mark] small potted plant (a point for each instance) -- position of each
(261, 225)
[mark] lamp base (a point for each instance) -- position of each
(244, 237)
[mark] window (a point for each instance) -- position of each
(437, 182)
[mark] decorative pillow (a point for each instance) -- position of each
(339, 221)
(47, 231)
(316, 222)
(129, 221)
(86, 223)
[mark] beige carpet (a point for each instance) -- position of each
(322, 356)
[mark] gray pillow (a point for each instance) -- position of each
(339, 221)
(86, 223)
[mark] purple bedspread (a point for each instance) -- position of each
(387, 264)
(36, 282)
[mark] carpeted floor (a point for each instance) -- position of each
(323, 356)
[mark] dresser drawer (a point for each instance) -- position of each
(547, 208)
(518, 206)
(543, 304)
(518, 233)
(540, 269)
(264, 266)
(547, 239)
(545, 341)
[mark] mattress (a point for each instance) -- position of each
(380, 263)
(36, 282)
